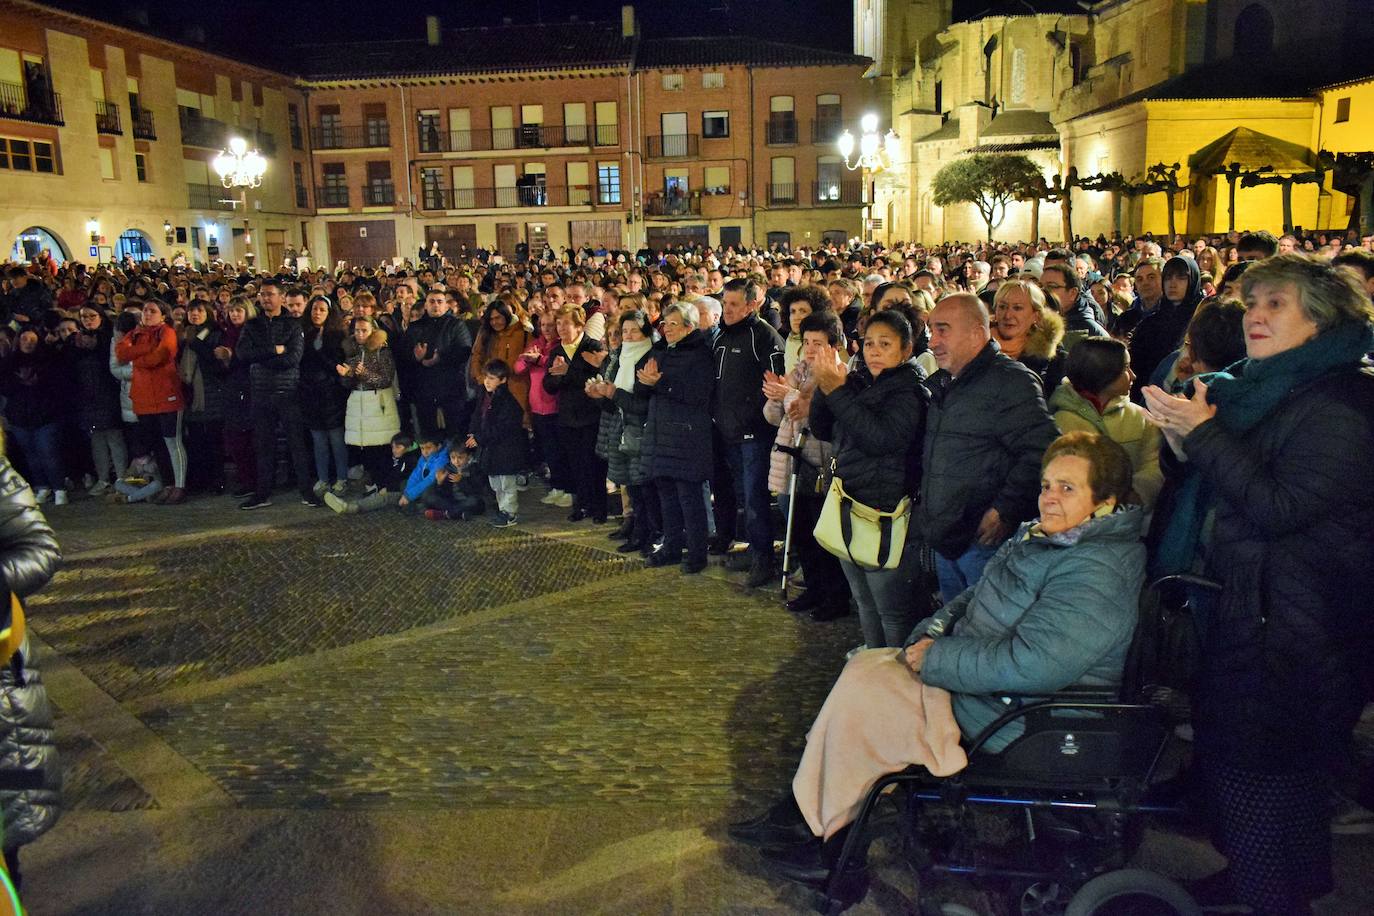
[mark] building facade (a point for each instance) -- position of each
(1113, 88)
(510, 138)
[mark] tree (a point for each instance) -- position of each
(989, 182)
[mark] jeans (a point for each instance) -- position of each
(748, 462)
(329, 442)
(42, 455)
(962, 573)
(507, 491)
(107, 451)
(890, 600)
(684, 518)
(282, 408)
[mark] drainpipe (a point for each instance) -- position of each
(410, 197)
(749, 173)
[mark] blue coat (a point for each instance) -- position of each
(677, 433)
(422, 478)
(1048, 613)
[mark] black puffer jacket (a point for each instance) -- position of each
(743, 352)
(271, 373)
(29, 557)
(677, 431)
(634, 413)
(323, 396)
(1280, 688)
(574, 407)
(875, 425)
(447, 337)
(985, 435)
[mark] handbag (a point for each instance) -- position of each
(631, 440)
(867, 537)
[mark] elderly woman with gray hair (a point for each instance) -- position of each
(1283, 441)
(676, 450)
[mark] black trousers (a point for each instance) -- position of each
(724, 504)
(284, 410)
(823, 572)
(588, 468)
(684, 518)
(456, 408)
(648, 512)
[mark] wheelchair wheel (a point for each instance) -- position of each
(1043, 898)
(1132, 892)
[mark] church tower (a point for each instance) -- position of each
(889, 31)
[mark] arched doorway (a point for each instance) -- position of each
(1254, 31)
(134, 244)
(35, 239)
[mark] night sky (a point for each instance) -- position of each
(242, 25)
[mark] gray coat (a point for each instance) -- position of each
(29, 557)
(1048, 613)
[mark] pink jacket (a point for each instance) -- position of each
(541, 402)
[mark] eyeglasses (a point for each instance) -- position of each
(1052, 287)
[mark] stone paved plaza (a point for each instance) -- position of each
(294, 712)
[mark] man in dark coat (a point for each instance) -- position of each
(986, 431)
(1073, 303)
(1161, 332)
(746, 348)
(271, 345)
(437, 349)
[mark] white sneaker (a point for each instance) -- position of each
(100, 488)
(87, 481)
(334, 502)
(59, 498)
(854, 651)
(320, 487)
(42, 494)
(564, 501)
(338, 486)
(551, 498)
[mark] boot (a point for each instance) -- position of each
(762, 572)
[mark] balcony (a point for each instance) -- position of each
(667, 206)
(197, 130)
(826, 131)
(143, 125)
(671, 146)
(781, 131)
(527, 136)
(208, 197)
(265, 142)
(354, 136)
(379, 194)
(505, 198)
(782, 195)
(837, 193)
(20, 104)
(107, 117)
(608, 135)
(331, 195)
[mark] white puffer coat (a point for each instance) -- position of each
(371, 417)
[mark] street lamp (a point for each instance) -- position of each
(875, 153)
(240, 167)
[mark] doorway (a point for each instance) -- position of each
(507, 237)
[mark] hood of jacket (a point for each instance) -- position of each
(1194, 294)
(1067, 398)
(1045, 337)
(1125, 525)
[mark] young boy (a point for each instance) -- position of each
(456, 494)
(421, 480)
(140, 483)
(389, 488)
(498, 431)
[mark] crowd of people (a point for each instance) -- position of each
(1051, 424)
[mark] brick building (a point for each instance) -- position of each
(571, 134)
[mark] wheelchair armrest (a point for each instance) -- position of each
(1107, 702)
(1201, 582)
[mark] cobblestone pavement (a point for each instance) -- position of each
(296, 712)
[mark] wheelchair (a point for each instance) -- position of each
(1077, 786)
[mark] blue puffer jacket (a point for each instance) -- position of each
(1049, 613)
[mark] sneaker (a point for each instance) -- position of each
(59, 498)
(312, 501)
(254, 502)
(522, 482)
(333, 501)
(320, 487)
(42, 494)
(174, 496)
(565, 501)
(87, 481)
(436, 515)
(551, 498)
(100, 488)
(1351, 817)
(339, 486)
(240, 493)
(502, 520)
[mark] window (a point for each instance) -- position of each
(716, 180)
(713, 81)
(1343, 109)
(828, 119)
(141, 166)
(715, 124)
(331, 127)
(293, 120)
(782, 120)
(607, 129)
(430, 139)
(431, 190)
(579, 184)
(379, 191)
(459, 129)
(608, 182)
(334, 192)
(502, 127)
(26, 155)
(375, 125)
(575, 123)
(107, 163)
(673, 82)
(298, 174)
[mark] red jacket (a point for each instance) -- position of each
(156, 385)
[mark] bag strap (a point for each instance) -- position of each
(884, 539)
(847, 527)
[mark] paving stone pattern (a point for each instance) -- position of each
(153, 619)
(659, 689)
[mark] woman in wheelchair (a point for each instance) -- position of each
(1056, 607)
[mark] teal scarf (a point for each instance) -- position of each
(1245, 393)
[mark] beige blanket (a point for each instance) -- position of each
(878, 719)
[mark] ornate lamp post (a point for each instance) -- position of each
(876, 153)
(240, 167)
